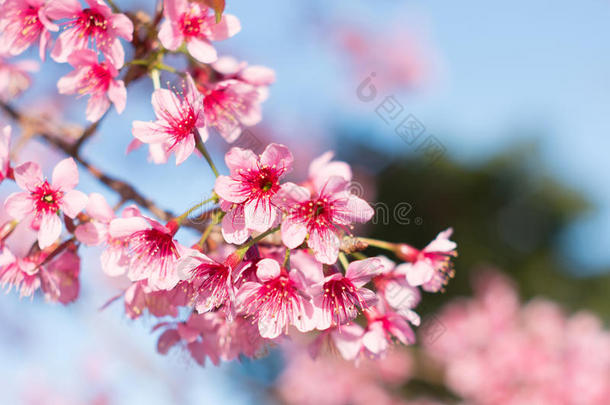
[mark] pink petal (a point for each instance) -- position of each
(325, 245)
(240, 159)
(98, 208)
(228, 26)
(60, 9)
(361, 272)
(348, 340)
(123, 227)
(114, 261)
(91, 233)
(421, 272)
(148, 132)
(293, 233)
(234, 226)
(267, 269)
(184, 149)
(65, 175)
(73, 202)
(28, 176)
(96, 107)
(118, 95)
(122, 26)
(19, 205)
(230, 189)
(258, 75)
(260, 214)
(201, 50)
(170, 38)
(50, 229)
(278, 155)
(166, 104)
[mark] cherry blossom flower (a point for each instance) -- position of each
(180, 118)
(212, 281)
(22, 23)
(322, 216)
(341, 296)
(139, 297)
(15, 77)
(5, 159)
(57, 278)
(385, 324)
(277, 300)
(152, 250)
(230, 105)
(430, 267)
(114, 258)
(194, 23)
(496, 350)
(95, 25)
(322, 168)
(21, 273)
(42, 201)
(256, 75)
(250, 191)
(98, 80)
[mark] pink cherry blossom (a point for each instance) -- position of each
(195, 24)
(93, 26)
(114, 258)
(251, 189)
(58, 278)
(384, 325)
(430, 267)
(22, 23)
(277, 300)
(496, 351)
(322, 168)
(212, 281)
(153, 252)
(180, 118)
(96, 79)
(323, 215)
(5, 159)
(231, 105)
(211, 336)
(229, 68)
(41, 201)
(21, 273)
(341, 296)
(15, 77)
(140, 297)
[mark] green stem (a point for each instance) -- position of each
(343, 260)
(359, 256)
(201, 148)
(287, 259)
(155, 75)
(379, 243)
(215, 221)
(195, 207)
(241, 251)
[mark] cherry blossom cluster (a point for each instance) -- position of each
(496, 350)
(274, 258)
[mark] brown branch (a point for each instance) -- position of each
(126, 191)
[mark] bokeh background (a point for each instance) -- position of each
(511, 104)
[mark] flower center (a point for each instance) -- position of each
(191, 23)
(46, 199)
(31, 22)
(92, 23)
(341, 299)
(97, 79)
